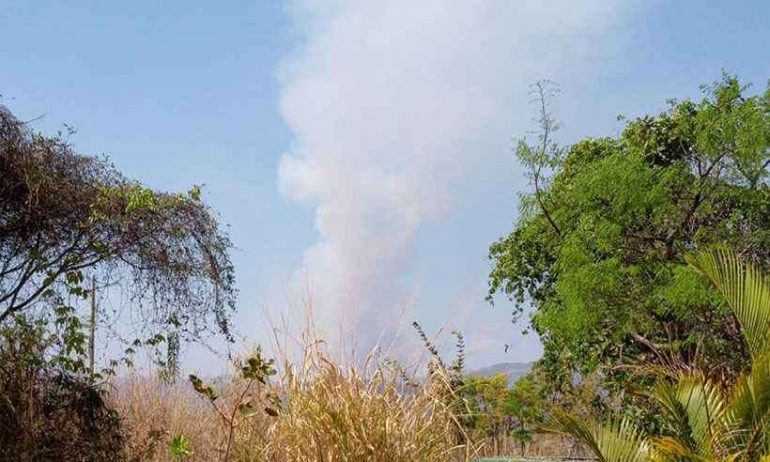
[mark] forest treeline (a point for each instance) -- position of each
(640, 261)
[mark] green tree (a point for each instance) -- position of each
(526, 404)
(598, 251)
(497, 412)
(708, 417)
(487, 399)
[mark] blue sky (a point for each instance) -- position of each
(286, 110)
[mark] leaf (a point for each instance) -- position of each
(615, 441)
(695, 407)
(180, 446)
(745, 288)
(247, 410)
(203, 388)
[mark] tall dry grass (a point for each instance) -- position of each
(334, 414)
(327, 413)
(154, 412)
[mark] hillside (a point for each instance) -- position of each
(513, 371)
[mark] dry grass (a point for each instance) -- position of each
(327, 413)
(155, 412)
(544, 446)
(346, 415)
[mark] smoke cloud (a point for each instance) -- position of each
(391, 104)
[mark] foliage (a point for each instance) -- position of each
(62, 336)
(256, 370)
(488, 409)
(487, 399)
(180, 447)
(527, 405)
(598, 250)
(709, 418)
(615, 441)
(46, 411)
(63, 214)
(65, 217)
(498, 412)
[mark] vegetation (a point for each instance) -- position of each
(63, 214)
(598, 253)
(47, 413)
(63, 217)
(500, 413)
(642, 259)
(708, 418)
(314, 410)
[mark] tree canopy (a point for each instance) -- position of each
(63, 215)
(708, 418)
(598, 250)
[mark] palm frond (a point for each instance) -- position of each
(615, 441)
(711, 420)
(747, 418)
(672, 449)
(745, 288)
(695, 407)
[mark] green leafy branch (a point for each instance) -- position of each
(255, 371)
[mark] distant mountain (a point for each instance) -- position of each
(514, 371)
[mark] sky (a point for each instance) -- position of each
(360, 151)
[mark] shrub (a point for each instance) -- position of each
(47, 413)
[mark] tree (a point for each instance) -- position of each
(64, 215)
(526, 404)
(708, 418)
(497, 412)
(487, 399)
(598, 250)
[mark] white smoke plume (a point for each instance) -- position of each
(392, 104)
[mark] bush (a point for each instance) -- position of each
(47, 413)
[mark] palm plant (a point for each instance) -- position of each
(711, 420)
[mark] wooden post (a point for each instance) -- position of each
(91, 341)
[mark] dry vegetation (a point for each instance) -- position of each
(374, 411)
(326, 413)
(544, 447)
